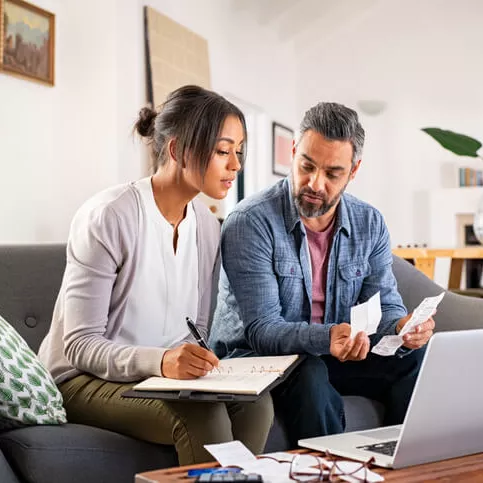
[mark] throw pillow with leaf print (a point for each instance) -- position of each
(28, 394)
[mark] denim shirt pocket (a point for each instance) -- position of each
(290, 282)
(352, 276)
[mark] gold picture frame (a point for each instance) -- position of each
(27, 41)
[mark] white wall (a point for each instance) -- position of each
(423, 58)
(59, 143)
(62, 144)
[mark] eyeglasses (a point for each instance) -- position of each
(312, 469)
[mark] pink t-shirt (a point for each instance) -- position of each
(319, 245)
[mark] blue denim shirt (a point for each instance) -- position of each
(265, 291)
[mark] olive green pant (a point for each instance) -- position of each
(187, 425)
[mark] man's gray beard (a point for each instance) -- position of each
(308, 212)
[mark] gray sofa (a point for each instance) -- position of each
(30, 277)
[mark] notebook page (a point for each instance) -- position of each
(212, 382)
(250, 365)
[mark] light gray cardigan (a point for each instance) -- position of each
(102, 255)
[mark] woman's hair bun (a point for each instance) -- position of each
(145, 123)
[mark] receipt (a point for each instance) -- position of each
(389, 344)
(422, 313)
(365, 317)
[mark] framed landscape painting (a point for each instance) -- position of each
(282, 138)
(27, 41)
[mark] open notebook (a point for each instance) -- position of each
(249, 376)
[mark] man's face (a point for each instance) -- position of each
(321, 170)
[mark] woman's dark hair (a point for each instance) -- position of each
(194, 117)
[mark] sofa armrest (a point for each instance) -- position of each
(6, 473)
(455, 312)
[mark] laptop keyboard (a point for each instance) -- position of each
(386, 448)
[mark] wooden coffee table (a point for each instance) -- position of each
(467, 469)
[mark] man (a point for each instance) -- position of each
(296, 257)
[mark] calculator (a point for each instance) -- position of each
(229, 477)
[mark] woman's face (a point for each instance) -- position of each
(224, 163)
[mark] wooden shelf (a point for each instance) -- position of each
(424, 259)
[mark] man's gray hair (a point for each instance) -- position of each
(335, 122)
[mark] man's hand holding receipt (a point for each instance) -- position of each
(189, 361)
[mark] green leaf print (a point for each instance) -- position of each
(13, 411)
(41, 372)
(43, 398)
(5, 353)
(25, 402)
(34, 380)
(40, 411)
(28, 419)
(5, 394)
(11, 343)
(51, 390)
(17, 386)
(21, 364)
(15, 371)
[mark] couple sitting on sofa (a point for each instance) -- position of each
(295, 257)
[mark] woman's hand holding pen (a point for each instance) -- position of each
(188, 361)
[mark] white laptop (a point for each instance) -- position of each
(445, 415)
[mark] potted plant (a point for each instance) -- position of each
(461, 145)
(455, 142)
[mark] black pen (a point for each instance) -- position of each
(198, 337)
(196, 334)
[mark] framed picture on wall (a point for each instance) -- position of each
(282, 138)
(27, 41)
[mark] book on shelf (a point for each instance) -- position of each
(242, 378)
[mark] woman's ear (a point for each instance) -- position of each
(173, 152)
(172, 149)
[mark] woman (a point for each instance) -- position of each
(142, 257)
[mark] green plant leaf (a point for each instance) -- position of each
(454, 142)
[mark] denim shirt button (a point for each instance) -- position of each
(358, 273)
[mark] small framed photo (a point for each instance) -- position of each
(281, 149)
(27, 41)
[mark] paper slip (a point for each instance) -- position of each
(422, 312)
(234, 453)
(389, 344)
(365, 317)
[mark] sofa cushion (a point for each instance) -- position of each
(74, 453)
(28, 394)
(30, 278)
